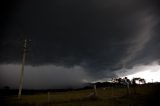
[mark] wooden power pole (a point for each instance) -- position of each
(22, 67)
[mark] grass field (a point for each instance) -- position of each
(144, 96)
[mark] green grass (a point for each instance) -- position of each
(108, 97)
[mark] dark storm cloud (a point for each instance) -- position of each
(97, 35)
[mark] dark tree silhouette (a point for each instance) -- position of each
(6, 88)
(140, 81)
(135, 84)
(125, 82)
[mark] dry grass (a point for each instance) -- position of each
(108, 97)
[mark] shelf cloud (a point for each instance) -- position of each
(98, 36)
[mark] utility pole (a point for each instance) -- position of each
(22, 67)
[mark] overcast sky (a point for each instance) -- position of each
(75, 41)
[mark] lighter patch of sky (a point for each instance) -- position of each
(42, 77)
(148, 75)
(58, 77)
(150, 72)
